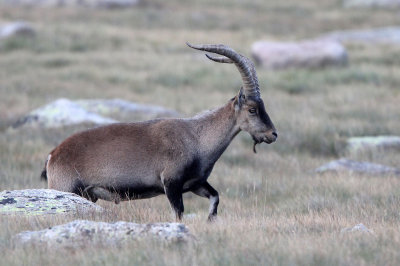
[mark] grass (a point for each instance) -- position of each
(273, 209)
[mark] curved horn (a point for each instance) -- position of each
(220, 59)
(243, 64)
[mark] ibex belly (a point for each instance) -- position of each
(139, 192)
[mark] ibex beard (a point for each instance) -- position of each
(126, 161)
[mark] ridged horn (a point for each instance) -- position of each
(220, 59)
(243, 64)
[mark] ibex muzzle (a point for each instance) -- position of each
(126, 161)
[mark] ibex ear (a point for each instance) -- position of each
(240, 99)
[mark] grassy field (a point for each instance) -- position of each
(273, 208)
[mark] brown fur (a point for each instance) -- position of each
(164, 156)
(137, 160)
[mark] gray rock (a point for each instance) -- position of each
(61, 112)
(125, 110)
(43, 201)
(18, 28)
(346, 165)
(111, 4)
(357, 228)
(64, 112)
(360, 144)
(310, 54)
(73, 3)
(372, 3)
(82, 233)
(388, 35)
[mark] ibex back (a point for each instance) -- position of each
(163, 156)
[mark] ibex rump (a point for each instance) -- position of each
(164, 156)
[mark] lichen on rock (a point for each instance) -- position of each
(83, 233)
(43, 201)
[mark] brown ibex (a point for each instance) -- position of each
(164, 156)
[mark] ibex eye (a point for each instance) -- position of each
(252, 110)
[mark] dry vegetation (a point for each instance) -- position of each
(273, 209)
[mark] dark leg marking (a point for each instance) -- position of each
(207, 191)
(173, 190)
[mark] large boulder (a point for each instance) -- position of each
(387, 35)
(349, 166)
(82, 233)
(121, 109)
(18, 28)
(61, 112)
(111, 4)
(73, 3)
(43, 201)
(372, 3)
(360, 144)
(64, 112)
(309, 54)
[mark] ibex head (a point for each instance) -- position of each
(250, 110)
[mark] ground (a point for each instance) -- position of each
(273, 208)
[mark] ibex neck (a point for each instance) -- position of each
(215, 130)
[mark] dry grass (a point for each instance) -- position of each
(273, 209)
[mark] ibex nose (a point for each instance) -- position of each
(271, 137)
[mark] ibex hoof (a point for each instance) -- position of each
(212, 218)
(117, 200)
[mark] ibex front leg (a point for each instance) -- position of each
(207, 191)
(173, 190)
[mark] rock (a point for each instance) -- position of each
(73, 3)
(82, 233)
(126, 110)
(310, 54)
(388, 35)
(19, 28)
(64, 112)
(43, 201)
(359, 144)
(357, 228)
(111, 4)
(345, 165)
(372, 3)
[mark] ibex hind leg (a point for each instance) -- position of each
(207, 191)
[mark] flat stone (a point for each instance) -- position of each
(112, 4)
(122, 109)
(371, 3)
(359, 144)
(357, 228)
(309, 54)
(349, 166)
(108, 4)
(83, 233)
(387, 35)
(61, 112)
(64, 112)
(43, 202)
(18, 28)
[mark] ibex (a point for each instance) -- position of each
(125, 161)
